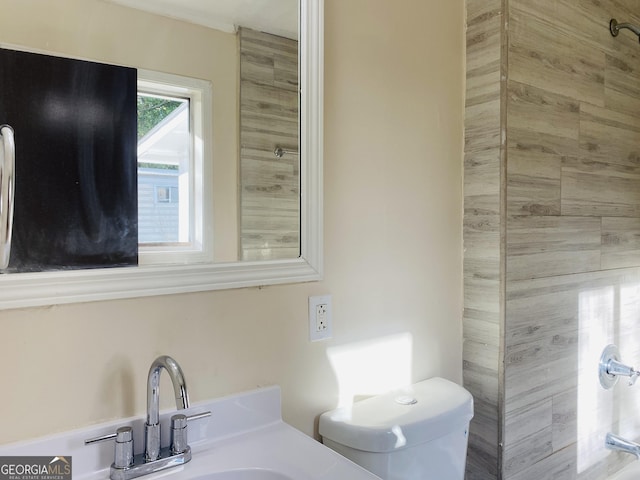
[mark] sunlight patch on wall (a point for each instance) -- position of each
(627, 420)
(371, 367)
(596, 312)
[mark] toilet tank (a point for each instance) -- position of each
(419, 432)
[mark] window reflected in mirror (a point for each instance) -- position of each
(163, 159)
(172, 174)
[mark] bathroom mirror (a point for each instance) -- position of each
(53, 35)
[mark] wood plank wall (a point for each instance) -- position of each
(269, 186)
(571, 117)
(483, 306)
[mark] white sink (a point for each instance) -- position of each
(245, 474)
(243, 439)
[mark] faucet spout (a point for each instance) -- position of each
(616, 442)
(152, 427)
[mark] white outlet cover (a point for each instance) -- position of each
(314, 334)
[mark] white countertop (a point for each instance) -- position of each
(244, 431)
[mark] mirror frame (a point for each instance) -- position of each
(60, 287)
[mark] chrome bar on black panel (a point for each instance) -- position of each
(7, 192)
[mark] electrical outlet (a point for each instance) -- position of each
(319, 318)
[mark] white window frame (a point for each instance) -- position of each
(199, 248)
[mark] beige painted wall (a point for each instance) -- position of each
(393, 257)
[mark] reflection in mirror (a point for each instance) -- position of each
(256, 213)
(260, 219)
(266, 33)
(269, 183)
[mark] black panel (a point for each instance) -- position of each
(76, 148)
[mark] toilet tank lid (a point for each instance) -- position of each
(399, 419)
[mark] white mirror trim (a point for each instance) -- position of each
(58, 287)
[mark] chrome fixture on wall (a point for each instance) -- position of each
(279, 152)
(616, 442)
(615, 27)
(610, 368)
(126, 465)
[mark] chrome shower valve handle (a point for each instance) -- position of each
(610, 368)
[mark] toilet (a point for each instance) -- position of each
(417, 433)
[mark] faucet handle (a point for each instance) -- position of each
(178, 434)
(103, 438)
(198, 416)
(179, 423)
(124, 446)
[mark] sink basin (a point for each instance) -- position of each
(244, 438)
(245, 474)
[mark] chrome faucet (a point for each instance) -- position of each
(616, 442)
(126, 465)
(610, 368)
(152, 427)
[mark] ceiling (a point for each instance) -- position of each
(279, 17)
